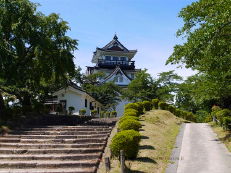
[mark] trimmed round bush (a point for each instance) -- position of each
(113, 114)
(162, 105)
(140, 107)
(134, 106)
(131, 111)
(123, 118)
(147, 105)
(155, 103)
(129, 124)
(93, 112)
(172, 109)
(82, 111)
(128, 141)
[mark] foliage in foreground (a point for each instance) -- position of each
(128, 141)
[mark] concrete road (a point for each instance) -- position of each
(201, 152)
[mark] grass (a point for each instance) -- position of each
(159, 131)
(224, 136)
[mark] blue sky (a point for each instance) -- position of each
(146, 25)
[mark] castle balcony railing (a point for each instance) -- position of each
(114, 63)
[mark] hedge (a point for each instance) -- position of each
(129, 124)
(163, 105)
(155, 103)
(147, 105)
(128, 117)
(134, 106)
(131, 111)
(128, 141)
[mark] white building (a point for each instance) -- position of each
(78, 98)
(115, 61)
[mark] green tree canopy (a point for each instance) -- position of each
(206, 30)
(144, 87)
(35, 52)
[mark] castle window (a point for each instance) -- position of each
(132, 76)
(115, 58)
(108, 58)
(123, 58)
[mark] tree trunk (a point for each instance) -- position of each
(2, 107)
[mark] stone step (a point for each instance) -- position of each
(57, 136)
(51, 151)
(27, 146)
(84, 156)
(59, 132)
(48, 164)
(65, 129)
(62, 141)
(57, 170)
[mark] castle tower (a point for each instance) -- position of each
(115, 61)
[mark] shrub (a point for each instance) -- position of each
(147, 105)
(227, 123)
(140, 107)
(82, 111)
(178, 112)
(221, 114)
(131, 111)
(123, 118)
(172, 109)
(155, 103)
(202, 116)
(93, 113)
(101, 114)
(216, 108)
(107, 115)
(162, 105)
(128, 141)
(113, 114)
(4, 130)
(71, 109)
(130, 124)
(135, 106)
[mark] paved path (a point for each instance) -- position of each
(201, 152)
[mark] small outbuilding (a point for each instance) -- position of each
(74, 96)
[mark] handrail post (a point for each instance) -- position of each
(122, 161)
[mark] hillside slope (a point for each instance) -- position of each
(159, 131)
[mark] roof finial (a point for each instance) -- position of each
(115, 37)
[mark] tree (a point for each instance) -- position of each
(144, 87)
(106, 93)
(36, 56)
(168, 83)
(207, 29)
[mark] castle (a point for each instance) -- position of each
(115, 61)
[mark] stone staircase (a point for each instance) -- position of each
(54, 149)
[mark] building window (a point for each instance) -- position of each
(132, 76)
(115, 58)
(123, 58)
(85, 103)
(108, 58)
(91, 107)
